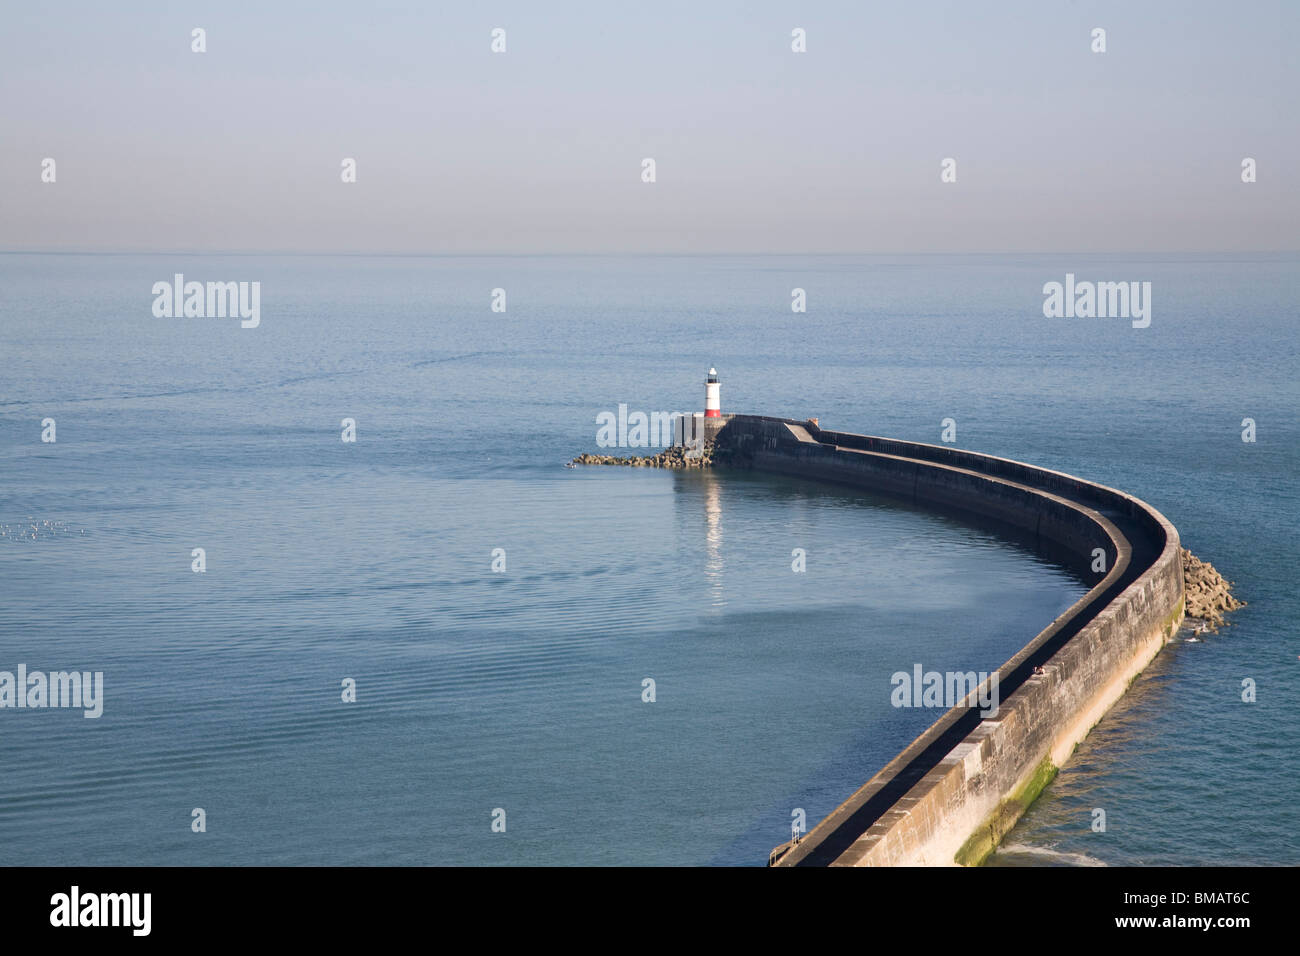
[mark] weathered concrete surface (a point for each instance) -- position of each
(956, 790)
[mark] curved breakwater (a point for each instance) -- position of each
(956, 790)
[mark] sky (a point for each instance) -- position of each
(757, 149)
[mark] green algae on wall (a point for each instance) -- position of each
(990, 833)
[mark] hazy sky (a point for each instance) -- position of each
(758, 149)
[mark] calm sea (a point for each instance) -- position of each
(521, 690)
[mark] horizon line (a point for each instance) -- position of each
(646, 254)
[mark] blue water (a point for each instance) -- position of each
(522, 689)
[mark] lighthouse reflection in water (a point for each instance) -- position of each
(713, 540)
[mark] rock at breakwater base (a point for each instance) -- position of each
(1208, 595)
(674, 457)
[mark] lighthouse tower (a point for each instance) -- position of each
(712, 402)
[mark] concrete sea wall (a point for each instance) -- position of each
(956, 790)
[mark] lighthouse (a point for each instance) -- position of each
(712, 389)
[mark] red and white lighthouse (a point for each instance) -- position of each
(712, 389)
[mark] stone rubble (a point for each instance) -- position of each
(1208, 595)
(674, 457)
